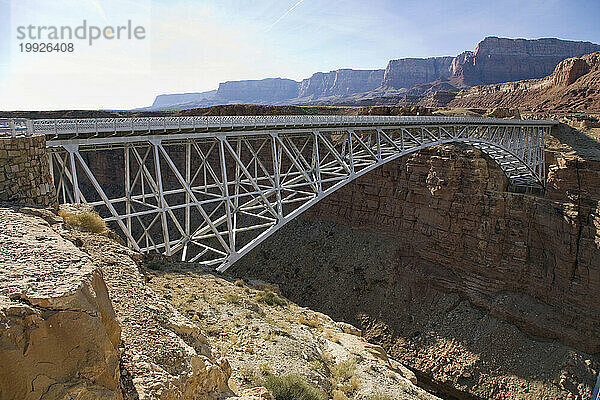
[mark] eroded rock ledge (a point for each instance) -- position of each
(59, 335)
(62, 337)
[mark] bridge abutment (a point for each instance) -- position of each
(25, 176)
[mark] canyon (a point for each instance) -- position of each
(495, 60)
(428, 276)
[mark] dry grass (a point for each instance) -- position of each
(314, 322)
(239, 283)
(292, 387)
(89, 220)
(271, 299)
(339, 395)
(232, 298)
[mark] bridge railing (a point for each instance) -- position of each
(156, 125)
(14, 127)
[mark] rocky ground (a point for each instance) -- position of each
(261, 333)
(461, 351)
(81, 316)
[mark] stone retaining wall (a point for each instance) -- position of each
(25, 172)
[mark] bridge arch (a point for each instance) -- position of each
(210, 193)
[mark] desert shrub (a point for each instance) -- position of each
(154, 265)
(231, 298)
(271, 299)
(313, 322)
(343, 376)
(89, 220)
(292, 387)
(239, 283)
(339, 395)
(344, 370)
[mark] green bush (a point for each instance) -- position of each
(272, 299)
(292, 387)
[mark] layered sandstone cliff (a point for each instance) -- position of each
(495, 60)
(257, 91)
(505, 60)
(574, 85)
(340, 83)
(407, 72)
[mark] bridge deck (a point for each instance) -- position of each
(61, 129)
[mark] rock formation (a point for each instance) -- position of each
(59, 334)
(408, 72)
(263, 338)
(495, 60)
(78, 321)
(499, 60)
(342, 82)
(165, 100)
(165, 355)
(447, 270)
(271, 90)
(574, 85)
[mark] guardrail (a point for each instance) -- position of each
(14, 127)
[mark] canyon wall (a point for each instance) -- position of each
(340, 83)
(257, 91)
(182, 98)
(407, 72)
(505, 60)
(495, 60)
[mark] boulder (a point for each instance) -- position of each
(59, 335)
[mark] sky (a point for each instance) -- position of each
(192, 45)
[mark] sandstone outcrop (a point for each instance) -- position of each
(268, 90)
(342, 82)
(574, 86)
(165, 355)
(59, 334)
(408, 72)
(267, 338)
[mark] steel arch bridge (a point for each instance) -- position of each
(209, 189)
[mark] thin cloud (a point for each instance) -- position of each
(284, 14)
(98, 7)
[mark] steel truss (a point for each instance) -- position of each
(211, 197)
